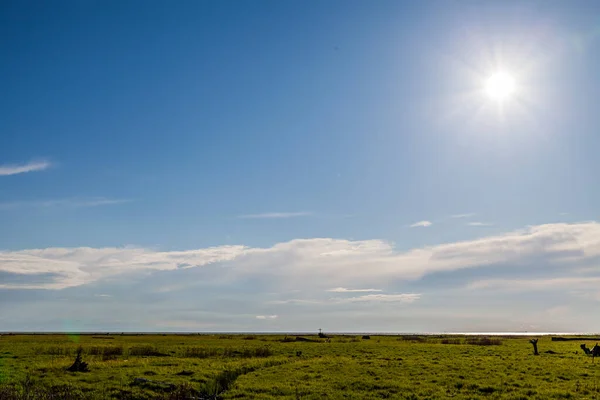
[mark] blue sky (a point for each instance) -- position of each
(292, 165)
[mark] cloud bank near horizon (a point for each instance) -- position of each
(294, 280)
(322, 262)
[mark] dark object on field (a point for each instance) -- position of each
(366, 337)
(594, 352)
(535, 349)
(322, 335)
(298, 353)
(301, 339)
(451, 341)
(156, 384)
(102, 337)
(564, 339)
(550, 352)
(185, 373)
(413, 338)
(79, 365)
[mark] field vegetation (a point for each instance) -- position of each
(280, 367)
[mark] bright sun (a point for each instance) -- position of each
(500, 86)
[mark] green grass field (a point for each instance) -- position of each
(272, 367)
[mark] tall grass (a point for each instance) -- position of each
(413, 338)
(200, 352)
(106, 351)
(451, 341)
(483, 341)
(146, 351)
(229, 352)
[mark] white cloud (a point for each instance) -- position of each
(102, 295)
(72, 202)
(295, 301)
(467, 215)
(272, 215)
(14, 169)
(78, 266)
(477, 223)
(91, 202)
(421, 224)
(267, 317)
(382, 298)
(316, 264)
(344, 290)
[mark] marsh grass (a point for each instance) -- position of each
(270, 367)
(483, 341)
(146, 351)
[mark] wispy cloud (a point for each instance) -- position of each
(271, 215)
(477, 223)
(466, 215)
(267, 316)
(71, 202)
(295, 301)
(383, 298)
(344, 290)
(14, 169)
(421, 224)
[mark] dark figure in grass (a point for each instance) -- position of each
(594, 352)
(534, 343)
(79, 365)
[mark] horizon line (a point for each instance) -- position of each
(307, 333)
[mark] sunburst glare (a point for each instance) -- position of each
(500, 86)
